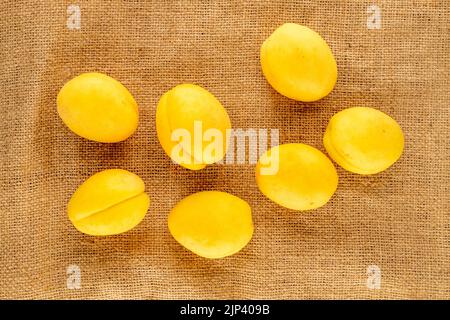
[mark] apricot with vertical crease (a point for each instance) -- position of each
(192, 126)
(363, 140)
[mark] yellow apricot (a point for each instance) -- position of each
(363, 140)
(109, 202)
(306, 179)
(192, 126)
(98, 108)
(212, 224)
(298, 63)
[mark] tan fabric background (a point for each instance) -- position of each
(398, 220)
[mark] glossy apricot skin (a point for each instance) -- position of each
(306, 179)
(212, 224)
(363, 140)
(179, 110)
(97, 107)
(109, 202)
(298, 63)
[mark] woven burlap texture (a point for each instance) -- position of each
(397, 220)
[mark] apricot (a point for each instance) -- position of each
(306, 179)
(298, 63)
(98, 108)
(192, 126)
(363, 140)
(109, 202)
(212, 224)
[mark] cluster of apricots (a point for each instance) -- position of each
(299, 64)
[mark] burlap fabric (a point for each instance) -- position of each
(397, 220)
